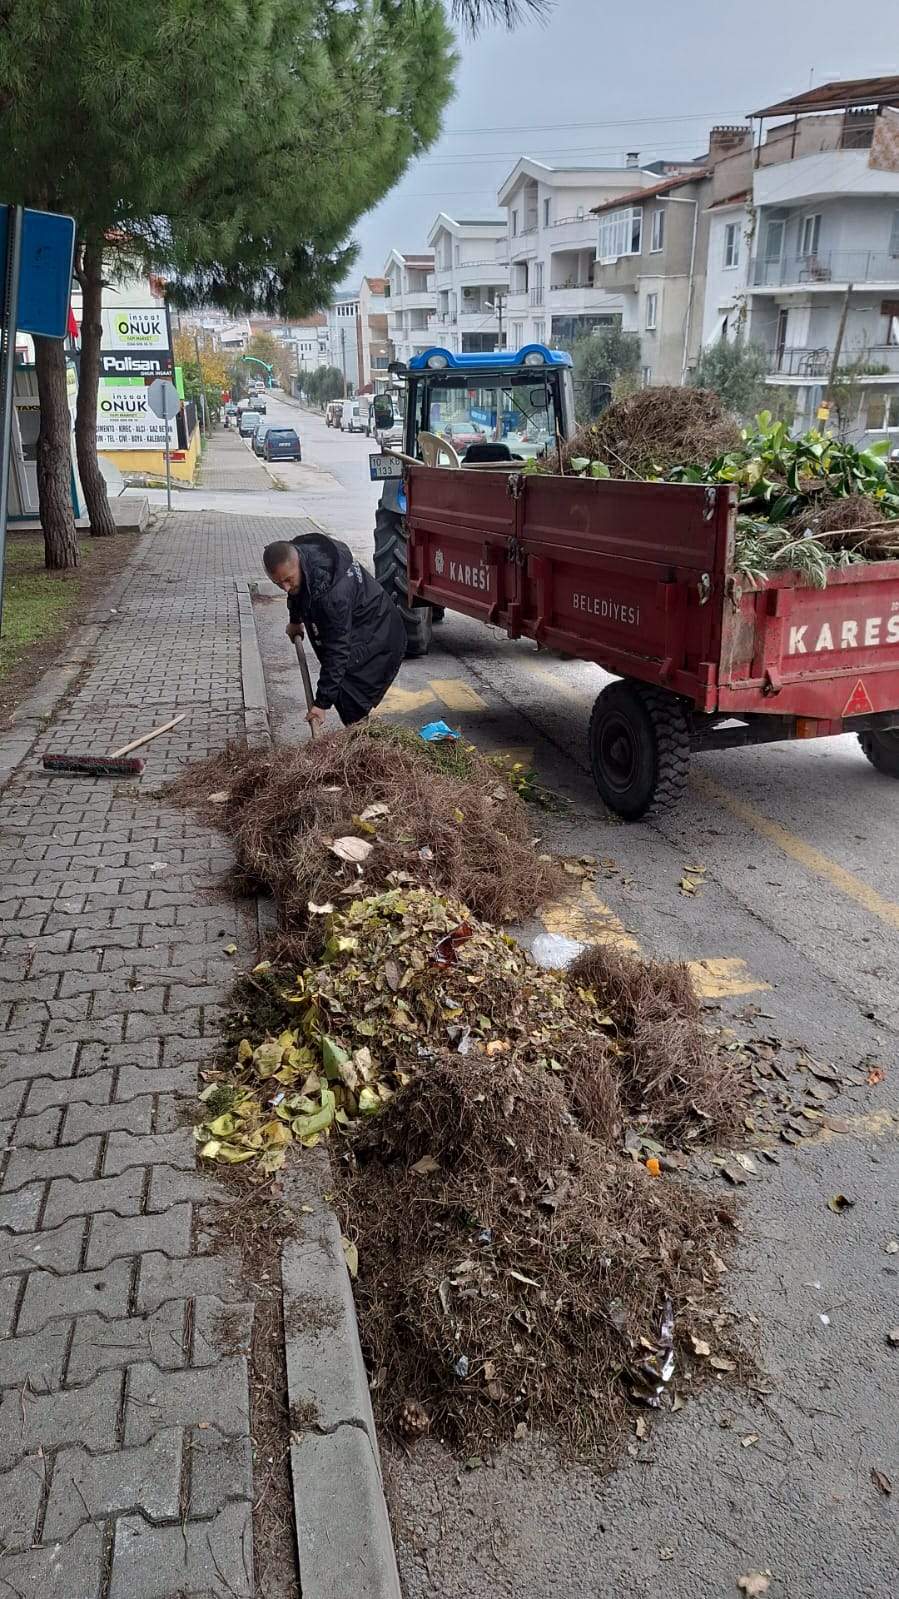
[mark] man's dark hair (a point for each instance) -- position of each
(277, 554)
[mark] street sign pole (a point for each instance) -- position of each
(165, 402)
(168, 469)
(13, 266)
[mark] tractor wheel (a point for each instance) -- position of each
(639, 748)
(390, 571)
(882, 750)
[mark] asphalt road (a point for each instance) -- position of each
(799, 917)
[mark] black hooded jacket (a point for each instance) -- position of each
(353, 627)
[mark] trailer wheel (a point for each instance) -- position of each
(639, 748)
(882, 750)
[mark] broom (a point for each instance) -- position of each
(119, 764)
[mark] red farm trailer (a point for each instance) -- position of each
(638, 578)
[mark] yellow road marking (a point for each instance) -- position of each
(886, 910)
(457, 695)
(399, 700)
(588, 921)
(723, 979)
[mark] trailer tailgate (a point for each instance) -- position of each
(831, 653)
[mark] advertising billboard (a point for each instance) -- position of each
(135, 349)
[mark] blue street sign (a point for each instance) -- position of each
(45, 281)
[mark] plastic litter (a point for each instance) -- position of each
(436, 732)
(553, 951)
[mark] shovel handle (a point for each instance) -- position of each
(307, 681)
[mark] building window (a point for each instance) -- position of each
(652, 307)
(514, 224)
(646, 376)
(518, 334)
(458, 253)
(621, 233)
(811, 234)
(658, 230)
(540, 332)
(882, 413)
(546, 210)
(894, 235)
(732, 244)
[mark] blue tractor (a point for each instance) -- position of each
(463, 410)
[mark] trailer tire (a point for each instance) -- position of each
(639, 748)
(882, 750)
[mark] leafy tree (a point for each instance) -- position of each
(90, 124)
(323, 385)
(207, 375)
(600, 360)
(736, 372)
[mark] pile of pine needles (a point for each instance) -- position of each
(646, 434)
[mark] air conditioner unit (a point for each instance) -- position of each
(467, 294)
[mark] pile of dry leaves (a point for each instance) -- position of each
(647, 433)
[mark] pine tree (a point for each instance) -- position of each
(106, 107)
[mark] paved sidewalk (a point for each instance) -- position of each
(125, 1447)
(229, 465)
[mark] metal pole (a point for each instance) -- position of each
(343, 359)
(168, 462)
(204, 417)
(15, 218)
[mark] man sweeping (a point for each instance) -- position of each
(354, 628)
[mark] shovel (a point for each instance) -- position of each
(307, 681)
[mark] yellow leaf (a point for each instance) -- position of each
(369, 1103)
(272, 1161)
(351, 1256)
(263, 966)
(244, 1051)
(230, 949)
(223, 1126)
(234, 1157)
(211, 1149)
(458, 816)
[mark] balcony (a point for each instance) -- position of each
(535, 296)
(576, 298)
(523, 244)
(501, 252)
(418, 300)
(481, 274)
(826, 270)
(873, 363)
(572, 233)
(516, 303)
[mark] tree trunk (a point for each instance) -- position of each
(54, 456)
(89, 271)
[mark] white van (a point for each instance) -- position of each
(351, 417)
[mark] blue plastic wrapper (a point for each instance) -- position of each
(434, 732)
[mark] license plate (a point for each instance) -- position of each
(384, 466)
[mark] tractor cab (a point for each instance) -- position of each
(492, 410)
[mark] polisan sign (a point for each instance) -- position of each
(135, 349)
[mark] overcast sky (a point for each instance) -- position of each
(603, 77)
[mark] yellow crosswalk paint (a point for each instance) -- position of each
(397, 701)
(588, 921)
(457, 695)
(723, 979)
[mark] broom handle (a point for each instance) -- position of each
(307, 681)
(146, 737)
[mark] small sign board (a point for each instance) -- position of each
(163, 399)
(45, 274)
(384, 466)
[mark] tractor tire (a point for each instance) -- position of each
(882, 750)
(639, 748)
(390, 571)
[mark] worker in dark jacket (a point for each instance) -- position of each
(354, 628)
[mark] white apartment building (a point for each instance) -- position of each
(817, 234)
(309, 341)
(551, 242)
(411, 302)
(343, 342)
(470, 282)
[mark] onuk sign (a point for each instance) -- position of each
(125, 421)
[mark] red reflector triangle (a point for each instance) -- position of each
(859, 701)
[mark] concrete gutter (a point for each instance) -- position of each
(344, 1541)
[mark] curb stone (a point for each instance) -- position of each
(344, 1541)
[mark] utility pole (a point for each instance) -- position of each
(343, 359)
(500, 302)
(837, 349)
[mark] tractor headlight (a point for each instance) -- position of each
(534, 359)
(438, 361)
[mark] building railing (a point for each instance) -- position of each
(830, 266)
(856, 362)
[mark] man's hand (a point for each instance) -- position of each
(315, 716)
(294, 630)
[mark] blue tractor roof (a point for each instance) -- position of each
(490, 360)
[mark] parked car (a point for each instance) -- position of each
(247, 423)
(281, 444)
(351, 417)
(333, 412)
(259, 437)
